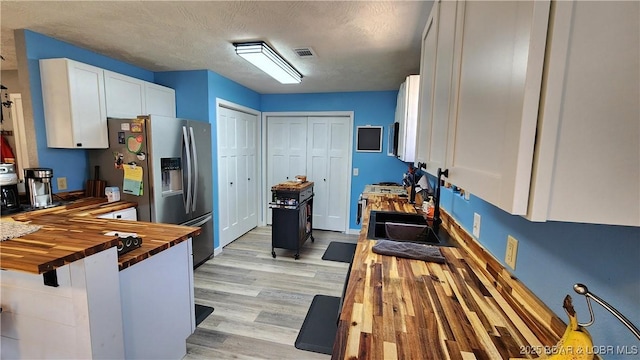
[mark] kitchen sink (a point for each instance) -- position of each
(399, 226)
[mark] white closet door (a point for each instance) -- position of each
(247, 199)
(317, 159)
(286, 150)
(227, 170)
(328, 168)
(236, 164)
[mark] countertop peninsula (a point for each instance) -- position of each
(71, 232)
(466, 308)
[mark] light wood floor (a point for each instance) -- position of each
(260, 302)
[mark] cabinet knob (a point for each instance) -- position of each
(79, 144)
(231, 183)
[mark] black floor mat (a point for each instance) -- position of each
(202, 312)
(318, 331)
(340, 251)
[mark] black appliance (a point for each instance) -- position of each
(9, 189)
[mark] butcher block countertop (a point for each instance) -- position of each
(466, 308)
(292, 186)
(72, 232)
(90, 206)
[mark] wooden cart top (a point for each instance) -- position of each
(292, 186)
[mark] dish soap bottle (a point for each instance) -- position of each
(429, 207)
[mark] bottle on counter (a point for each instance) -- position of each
(429, 207)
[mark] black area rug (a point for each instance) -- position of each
(202, 312)
(318, 331)
(339, 251)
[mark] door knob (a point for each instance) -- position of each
(231, 183)
(249, 179)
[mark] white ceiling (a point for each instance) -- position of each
(359, 45)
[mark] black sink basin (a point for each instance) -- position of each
(399, 226)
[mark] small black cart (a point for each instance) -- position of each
(292, 210)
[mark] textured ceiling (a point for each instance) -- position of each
(359, 45)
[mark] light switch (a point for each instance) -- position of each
(355, 171)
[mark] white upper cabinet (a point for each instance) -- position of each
(498, 57)
(435, 85)
(125, 95)
(74, 104)
(407, 117)
(542, 107)
(159, 100)
(588, 147)
(128, 97)
(427, 73)
(78, 98)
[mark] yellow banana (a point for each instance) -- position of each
(575, 344)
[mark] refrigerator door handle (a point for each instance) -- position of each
(187, 202)
(201, 222)
(195, 169)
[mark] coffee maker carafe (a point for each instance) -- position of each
(9, 189)
(38, 187)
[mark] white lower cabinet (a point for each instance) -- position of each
(79, 319)
(543, 117)
(126, 214)
(158, 311)
(145, 311)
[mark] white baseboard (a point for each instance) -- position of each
(353, 231)
(217, 251)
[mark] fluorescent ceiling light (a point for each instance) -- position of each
(266, 59)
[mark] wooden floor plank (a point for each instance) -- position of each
(260, 302)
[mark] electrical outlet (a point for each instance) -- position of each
(512, 252)
(476, 225)
(355, 171)
(62, 183)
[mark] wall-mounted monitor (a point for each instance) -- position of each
(369, 138)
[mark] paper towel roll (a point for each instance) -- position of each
(423, 184)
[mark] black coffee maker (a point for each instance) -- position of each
(9, 189)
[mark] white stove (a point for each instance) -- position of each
(377, 190)
(383, 189)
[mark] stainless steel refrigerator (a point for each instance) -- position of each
(163, 164)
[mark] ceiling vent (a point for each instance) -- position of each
(304, 52)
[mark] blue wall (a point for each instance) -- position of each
(552, 256)
(369, 108)
(70, 163)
